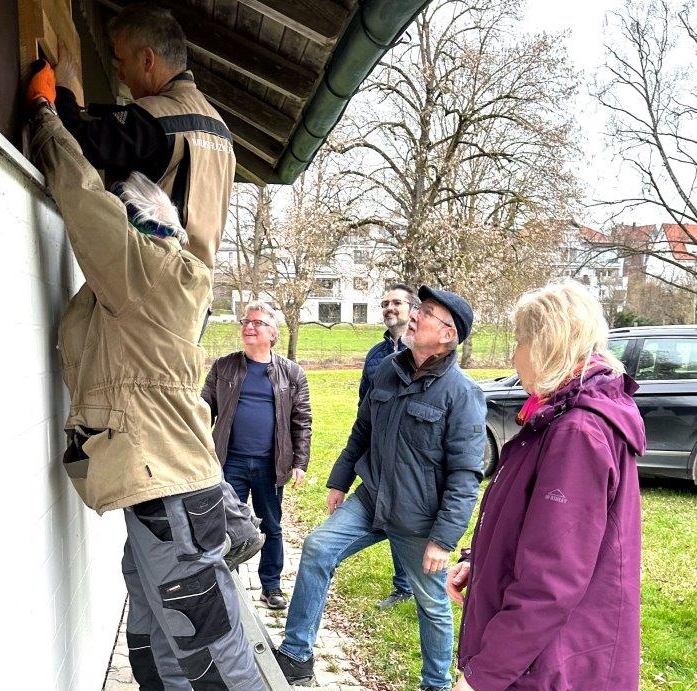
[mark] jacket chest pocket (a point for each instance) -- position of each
(422, 425)
(379, 410)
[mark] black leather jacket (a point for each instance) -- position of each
(293, 415)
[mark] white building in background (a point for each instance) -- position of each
(588, 256)
(348, 289)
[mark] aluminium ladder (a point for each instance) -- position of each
(259, 639)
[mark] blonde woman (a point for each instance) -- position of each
(552, 602)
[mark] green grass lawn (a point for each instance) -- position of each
(345, 344)
(388, 640)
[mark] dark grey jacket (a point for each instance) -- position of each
(418, 447)
(293, 415)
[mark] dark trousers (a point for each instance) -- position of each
(258, 476)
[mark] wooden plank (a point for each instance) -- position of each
(317, 20)
(49, 41)
(238, 52)
(60, 19)
(30, 19)
(239, 102)
(42, 23)
(252, 139)
(252, 168)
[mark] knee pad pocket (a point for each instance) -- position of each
(142, 661)
(201, 671)
(194, 609)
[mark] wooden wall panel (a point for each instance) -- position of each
(11, 101)
(42, 24)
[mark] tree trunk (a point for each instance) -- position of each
(466, 352)
(293, 331)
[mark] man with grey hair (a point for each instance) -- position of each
(170, 132)
(137, 431)
(417, 445)
(260, 404)
(172, 135)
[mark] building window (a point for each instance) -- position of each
(324, 287)
(360, 313)
(329, 312)
(360, 256)
(360, 284)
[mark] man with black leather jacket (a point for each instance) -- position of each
(260, 404)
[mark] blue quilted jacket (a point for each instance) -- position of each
(373, 359)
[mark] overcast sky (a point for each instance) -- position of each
(585, 22)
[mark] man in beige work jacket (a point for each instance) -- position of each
(169, 132)
(174, 136)
(138, 432)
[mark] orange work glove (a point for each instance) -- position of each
(42, 84)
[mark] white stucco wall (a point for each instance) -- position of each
(61, 580)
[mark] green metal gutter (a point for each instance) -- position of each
(372, 32)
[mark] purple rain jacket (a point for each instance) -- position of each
(553, 597)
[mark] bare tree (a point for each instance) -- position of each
(282, 238)
(462, 128)
(248, 265)
(659, 303)
(653, 114)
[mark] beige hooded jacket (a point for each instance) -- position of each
(128, 344)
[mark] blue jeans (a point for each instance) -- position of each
(399, 580)
(258, 476)
(345, 532)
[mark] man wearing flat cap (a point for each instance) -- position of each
(417, 446)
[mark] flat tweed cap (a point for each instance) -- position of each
(459, 309)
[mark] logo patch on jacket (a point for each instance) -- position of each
(556, 495)
(121, 116)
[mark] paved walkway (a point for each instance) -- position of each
(332, 665)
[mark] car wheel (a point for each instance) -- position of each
(491, 456)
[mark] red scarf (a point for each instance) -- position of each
(535, 402)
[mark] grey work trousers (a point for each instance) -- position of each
(183, 627)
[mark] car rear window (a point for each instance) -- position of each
(668, 358)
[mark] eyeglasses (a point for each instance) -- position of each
(256, 323)
(395, 303)
(427, 312)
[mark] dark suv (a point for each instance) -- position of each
(663, 360)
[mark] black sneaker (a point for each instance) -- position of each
(245, 551)
(394, 598)
(274, 598)
(297, 673)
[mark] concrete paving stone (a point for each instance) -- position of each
(121, 674)
(115, 685)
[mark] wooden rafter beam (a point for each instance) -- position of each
(317, 20)
(253, 139)
(252, 168)
(242, 104)
(237, 52)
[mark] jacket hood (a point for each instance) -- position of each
(604, 393)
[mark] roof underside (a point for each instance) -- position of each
(280, 72)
